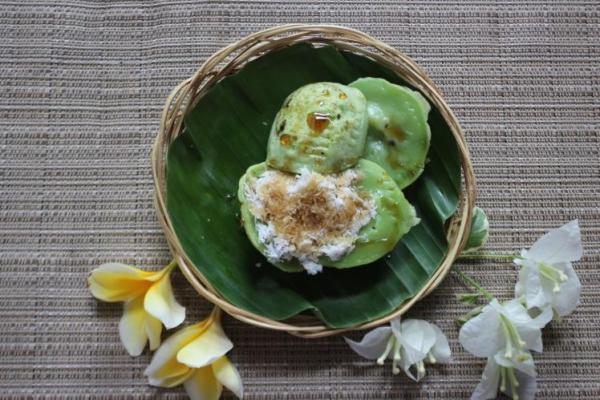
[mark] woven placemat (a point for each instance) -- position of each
(82, 85)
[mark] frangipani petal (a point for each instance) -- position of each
(558, 245)
(132, 327)
(228, 375)
(441, 349)
(161, 304)
(482, 335)
(153, 329)
(490, 379)
(113, 282)
(164, 365)
(372, 344)
(107, 273)
(206, 348)
(202, 385)
(172, 381)
(128, 291)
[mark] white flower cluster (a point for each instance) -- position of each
(506, 333)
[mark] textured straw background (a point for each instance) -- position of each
(82, 85)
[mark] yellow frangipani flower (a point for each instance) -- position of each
(149, 302)
(195, 357)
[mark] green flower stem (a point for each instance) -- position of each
(473, 283)
(492, 256)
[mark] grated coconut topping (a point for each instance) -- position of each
(309, 215)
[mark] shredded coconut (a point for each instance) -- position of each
(335, 251)
(301, 181)
(308, 216)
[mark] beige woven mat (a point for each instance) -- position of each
(81, 89)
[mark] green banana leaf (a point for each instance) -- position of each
(227, 132)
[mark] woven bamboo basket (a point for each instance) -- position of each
(233, 57)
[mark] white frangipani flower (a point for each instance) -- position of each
(547, 278)
(506, 328)
(515, 379)
(409, 344)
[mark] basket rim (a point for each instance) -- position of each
(184, 96)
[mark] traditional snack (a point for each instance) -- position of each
(329, 194)
(322, 127)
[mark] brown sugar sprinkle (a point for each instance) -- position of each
(318, 121)
(285, 139)
(322, 209)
